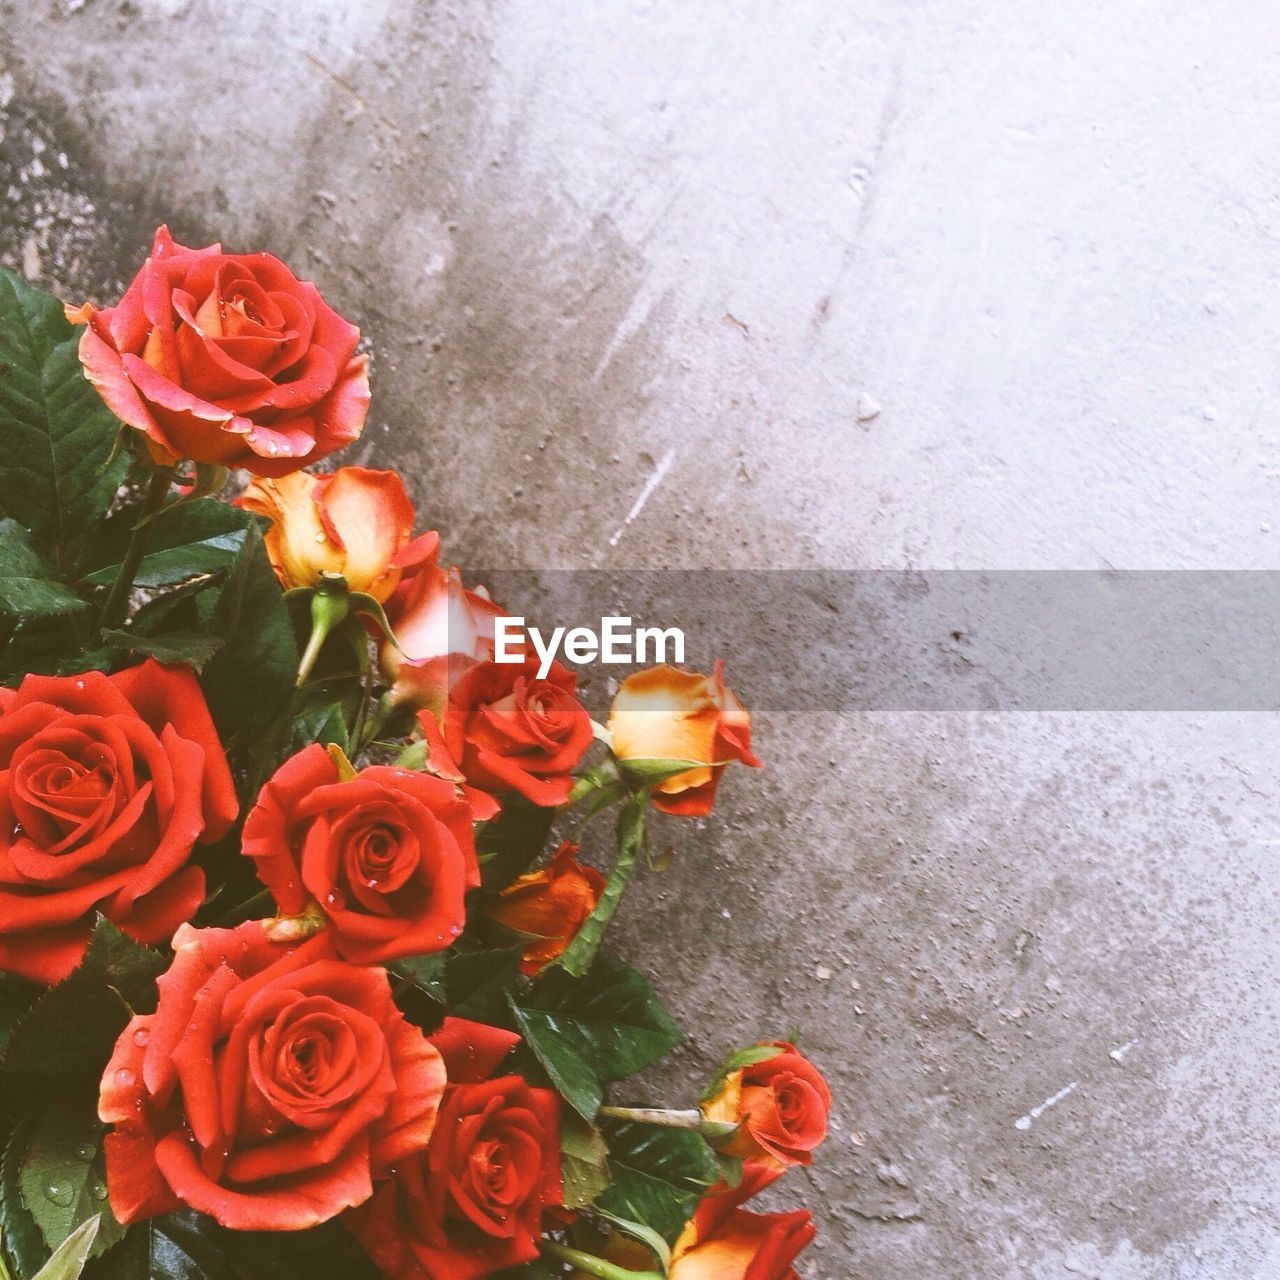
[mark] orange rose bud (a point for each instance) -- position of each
(353, 522)
(779, 1104)
(551, 904)
(667, 714)
(723, 1241)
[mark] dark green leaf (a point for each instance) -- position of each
(62, 1175)
(24, 1246)
(29, 586)
(57, 471)
(588, 1031)
(250, 678)
(16, 997)
(656, 1175)
(70, 1030)
(425, 973)
(189, 541)
(578, 955)
(511, 841)
(477, 983)
(194, 648)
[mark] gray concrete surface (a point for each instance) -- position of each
(1037, 953)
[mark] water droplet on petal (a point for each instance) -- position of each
(141, 1036)
(320, 537)
(335, 899)
(125, 1077)
(79, 684)
(455, 929)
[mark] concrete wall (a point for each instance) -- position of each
(940, 283)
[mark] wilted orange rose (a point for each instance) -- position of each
(723, 1241)
(780, 1105)
(227, 359)
(666, 713)
(550, 904)
(353, 521)
(442, 629)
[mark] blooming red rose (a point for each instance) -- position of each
(226, 358)
(549, 905)
(442, 628)
(269, 1089)
(780, 1105)
(106, 784)
(507, 730)
(388, 854)
(472, 1204)
(669, 714)
(723, 1241)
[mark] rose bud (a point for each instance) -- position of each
(472, 1205)
(504, 730)
(386, 854)
(778, 1102)
(723, 1241)
(269, 1089)
(441, 628)
(666, 714)
(226, 359)
(352, 522)
(106, 784)
(549, 905)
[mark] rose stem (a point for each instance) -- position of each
(655, 1115)
(594, 1266)
(118, 601)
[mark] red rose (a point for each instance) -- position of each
(780, 1105)
(507, 730)
(388, 855)
(106, 784)
(269, 1088)
(472, 1204)
(226, 358)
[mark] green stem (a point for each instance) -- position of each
(655, 1115)
(118, 601)
(594, 1266)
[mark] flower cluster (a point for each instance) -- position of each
(274, 868)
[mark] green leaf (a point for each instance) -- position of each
(57, 470)
(16, 997)
(477, 982)
(71, 1029)
(646, 1235)
(736, 1062)
(586, 1032)
(24, 1246)
(582, 1160)
(250, 678)
(29, 586)
(194, 648)
(651, 770)
(509, 843)
(576, 958)
(63, 1177)
(194, 540)
(656, 1175)
(71, 1255)
(425, 973)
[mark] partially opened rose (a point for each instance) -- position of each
(780, 1102)
(472, 1205)
(506, 729)
(353, 521)
(387, 855)
(226, 358)
(667, 714)
(442, 629)
(106, 785)
(549, 905)
(269, 1089)
(723, 1241)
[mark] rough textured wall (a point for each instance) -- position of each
(951, 283)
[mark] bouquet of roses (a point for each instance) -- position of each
(289, 985)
